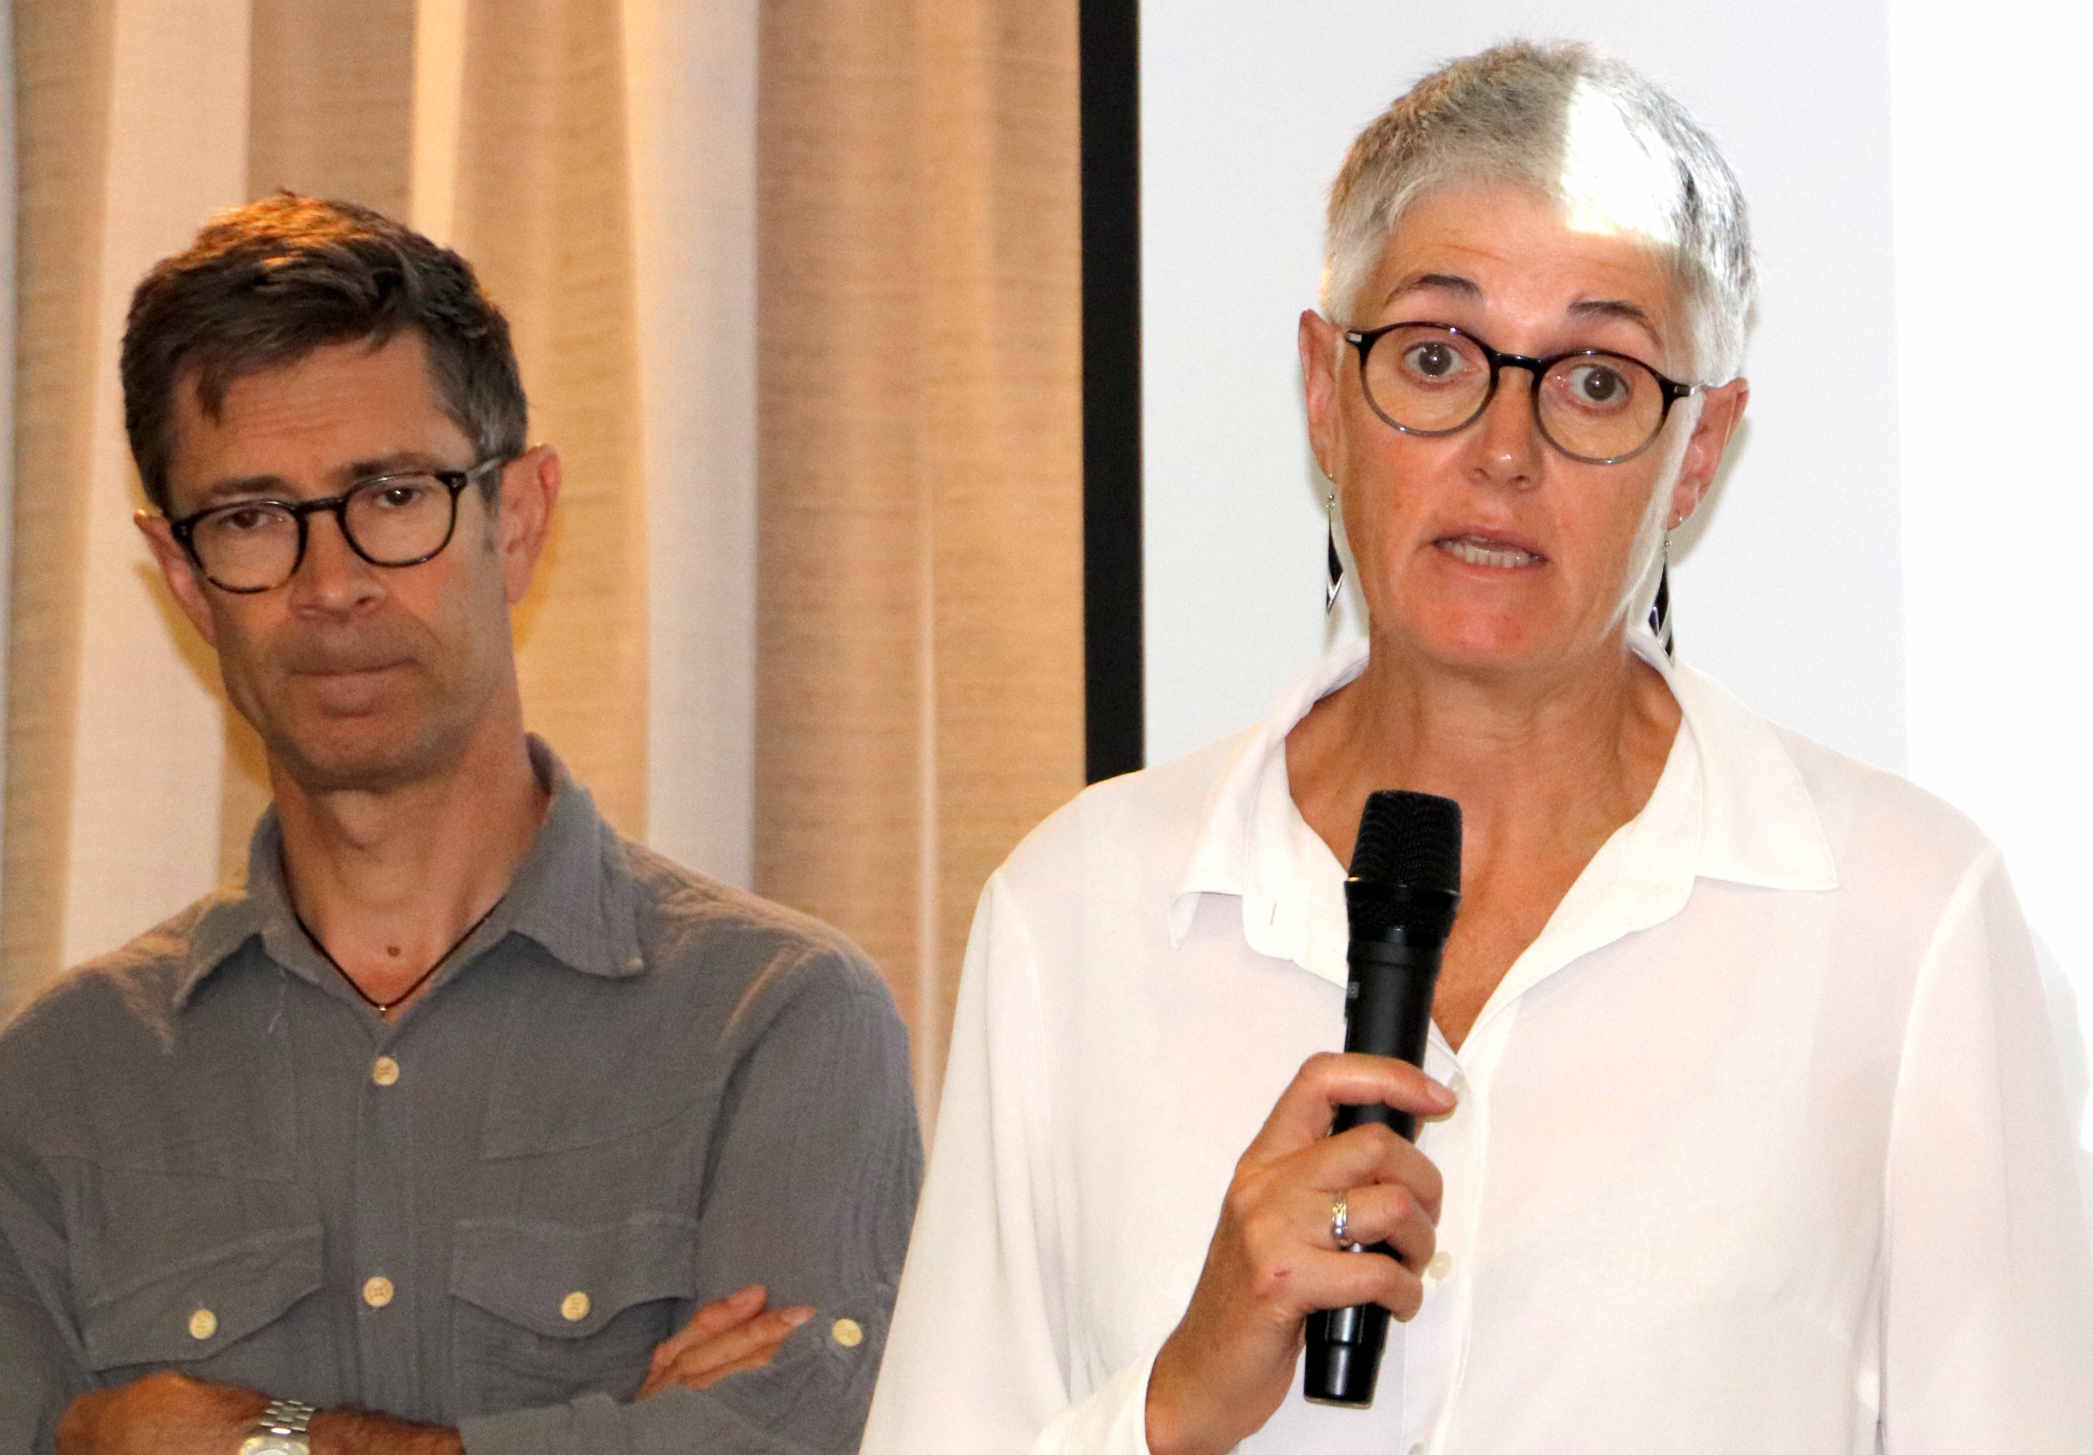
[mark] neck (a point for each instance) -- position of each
(387, 882)
(1543, 764)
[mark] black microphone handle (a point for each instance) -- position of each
(1389, 1014)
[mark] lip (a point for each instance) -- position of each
(346, 671)
(1475, 546)
(348, 689)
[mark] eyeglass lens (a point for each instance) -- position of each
(394, 520)
(1431, 380)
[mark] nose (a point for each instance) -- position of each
(1507, 441)
(331, 578)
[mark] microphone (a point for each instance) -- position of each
(1399, 899)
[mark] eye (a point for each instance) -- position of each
(1596, 383)
(236, 520)
(1433, 359)
(397, 492)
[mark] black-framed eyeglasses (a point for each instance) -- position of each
(401, 518)
(1594, 405)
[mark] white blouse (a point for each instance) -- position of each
(1760, 1144)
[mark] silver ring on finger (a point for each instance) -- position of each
(1340, 1225)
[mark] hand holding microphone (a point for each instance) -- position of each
(1273, 1262)
(1400, 898)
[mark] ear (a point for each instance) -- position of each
(530, 488)
(179, 572)
(1318, 341)
(1722, 406)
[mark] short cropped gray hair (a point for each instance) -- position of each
(1574, 125)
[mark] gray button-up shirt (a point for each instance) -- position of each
(632, 1091)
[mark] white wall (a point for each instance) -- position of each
(1871, 569)
(1991, 264)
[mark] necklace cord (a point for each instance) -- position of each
(386, 1007)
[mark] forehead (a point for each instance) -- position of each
(309, 421)
(1525, 260)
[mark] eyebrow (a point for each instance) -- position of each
(275, 487)
(1583, 308)
(1619, 308)
(1443, 282)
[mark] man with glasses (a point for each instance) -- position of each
(463, 1124)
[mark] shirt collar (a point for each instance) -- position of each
(1730, 804)
(573, 895)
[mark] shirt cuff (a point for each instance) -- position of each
(1113, 1421)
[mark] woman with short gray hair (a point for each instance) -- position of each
(1739, 1124)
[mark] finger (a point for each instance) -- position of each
(687, 1363)
(714, 1375)
(1332, 1079)
(743, 1348)
(757, 1335)
(709, 1322)
(1340, 1280)
(714, 1319)
(1380, 1215)
(1367, 1155)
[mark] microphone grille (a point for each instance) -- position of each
(1409, 838)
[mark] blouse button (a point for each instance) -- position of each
(385, 1071)
(574, 1307)
(377, 1292)
(847, 1333)
(1439, 1267)
(202, 1324)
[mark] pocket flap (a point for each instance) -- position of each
(196, 1306)
(566, 1282)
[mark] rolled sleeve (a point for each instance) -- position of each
(42, 1367)
(39, 1376)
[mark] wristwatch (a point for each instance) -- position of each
(280, 1430)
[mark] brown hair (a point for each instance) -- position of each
(266, 284)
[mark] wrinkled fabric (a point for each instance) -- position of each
(1760, 1144)
(632, 1091)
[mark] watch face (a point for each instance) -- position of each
(275, 1445)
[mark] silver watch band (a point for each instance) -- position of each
(281, 1430)
(285, 1417)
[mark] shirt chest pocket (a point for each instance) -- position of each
(215, 1276)
(545, 1311)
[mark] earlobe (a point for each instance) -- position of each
(1721, 409)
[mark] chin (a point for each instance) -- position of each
(1473, 643)
(372, 761)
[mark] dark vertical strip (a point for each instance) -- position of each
(1113, 708)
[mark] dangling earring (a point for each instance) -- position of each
(1660, 607)
(1333, 567)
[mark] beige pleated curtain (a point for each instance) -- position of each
(796, 292)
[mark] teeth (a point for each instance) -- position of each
(1475, 553)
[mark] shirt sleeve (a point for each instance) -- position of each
(41, 1369)
(979, 1361)
(1988, 1301)
(812, 1186)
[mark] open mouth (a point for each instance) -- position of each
(1477, 551)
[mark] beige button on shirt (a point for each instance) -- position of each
(485, 1214)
